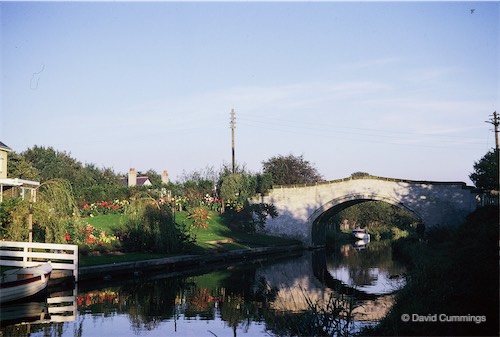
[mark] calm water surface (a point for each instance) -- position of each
(240, 300)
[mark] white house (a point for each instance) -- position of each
(14, 187)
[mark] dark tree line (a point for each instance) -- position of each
(88, 182)
(91, 183)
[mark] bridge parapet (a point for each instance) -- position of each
(370, 177)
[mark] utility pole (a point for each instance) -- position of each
(494, 121)
(232, 139)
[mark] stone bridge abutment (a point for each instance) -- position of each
(433, 203)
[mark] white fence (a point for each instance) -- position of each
(27, 254)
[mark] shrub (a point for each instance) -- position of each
(7, 215)
(200, 217)
(150, 227)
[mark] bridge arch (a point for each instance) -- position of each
(339, 204)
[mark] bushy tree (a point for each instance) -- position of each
(360, 174)
(20, 167)
(209, 173)
(236, 187)
(53, 164)
(485, 173)
(153, 176)
(196, 184)
(89, 183)
(290, 169)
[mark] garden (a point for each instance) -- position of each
(112, 236)
(143, 227)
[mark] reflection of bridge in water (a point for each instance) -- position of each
(302, 281)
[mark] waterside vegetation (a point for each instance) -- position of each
(453, 273)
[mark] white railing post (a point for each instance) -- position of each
(25, 255)
(75, 263)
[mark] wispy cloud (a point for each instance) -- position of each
(370, 63)
(429, 74)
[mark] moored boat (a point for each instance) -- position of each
(20, 283)
(361, 234)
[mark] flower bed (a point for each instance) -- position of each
(105, 207)
(88, 238)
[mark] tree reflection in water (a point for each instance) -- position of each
(371, 269)
(294, 296)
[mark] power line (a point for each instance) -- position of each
(321, 130)
(344, 129)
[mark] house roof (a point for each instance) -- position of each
(5, 147)
(142, 180)
(139, 180)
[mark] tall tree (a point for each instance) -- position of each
(286, 170)
(485, 173)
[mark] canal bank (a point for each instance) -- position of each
(455, 274)
(180, 263)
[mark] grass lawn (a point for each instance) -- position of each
(217, 237)
(106, 222)
(218, 234)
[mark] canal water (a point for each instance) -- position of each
(256, 298)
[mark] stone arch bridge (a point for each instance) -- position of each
(300, 207)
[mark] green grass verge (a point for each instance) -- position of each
(106, 222)
(218, 234)
(216, 238)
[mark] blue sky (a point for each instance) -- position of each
(395, 89)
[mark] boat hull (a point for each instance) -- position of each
(14, 313)
(24, 283)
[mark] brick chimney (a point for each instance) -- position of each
(164, 177)
(132, 177)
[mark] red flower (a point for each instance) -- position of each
(67, 237)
